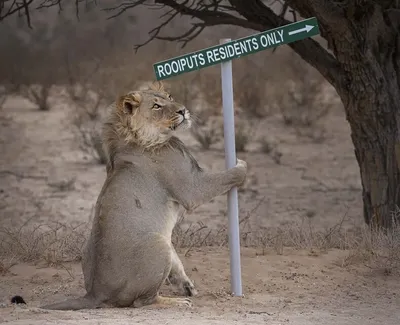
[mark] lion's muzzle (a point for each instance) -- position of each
(183, 119)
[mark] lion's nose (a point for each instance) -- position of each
(182, 112)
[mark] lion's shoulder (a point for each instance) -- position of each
(179, 148)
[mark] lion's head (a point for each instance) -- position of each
(146, 117)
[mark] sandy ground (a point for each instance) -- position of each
(291, 288)
(314, 180)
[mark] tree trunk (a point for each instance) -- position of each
(369, 54)
(375, 135)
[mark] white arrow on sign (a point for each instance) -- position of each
(304, 29)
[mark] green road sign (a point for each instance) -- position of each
(235, 49)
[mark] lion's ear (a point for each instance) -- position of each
(157, 86)
(130, 103)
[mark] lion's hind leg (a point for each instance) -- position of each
(153, 263)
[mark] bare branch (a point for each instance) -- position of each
(210, 18)
(48, 4)
(23, 8)
(253, 15)
(28, 17)
(124, 7)
(77, 9)
(185, 38)
(15, 7)
(156, 31)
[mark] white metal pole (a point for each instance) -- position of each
(230, 162)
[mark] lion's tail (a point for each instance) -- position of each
(84, 302)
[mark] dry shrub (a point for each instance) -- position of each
(89, 93)
(243, 134)
(303, 105)
(376, 248)
(302, 99)
(82, 88)
(5, 91)
(270, 148)
(27, 65)
(249, 95)
(208, 133)
(300, 235)
(207, 129)
(267, 146)
(208, 83)
(90, 111)
(37, 94)
(6, 264)
(53, 243)
(57, 243)
(373, 247)
(3, 98)
(90, 139)
(253, 92)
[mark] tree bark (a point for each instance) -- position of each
(369, 55)
(375, 133)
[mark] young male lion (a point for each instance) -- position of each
(150, 175)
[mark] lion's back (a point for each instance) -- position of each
(133, 196)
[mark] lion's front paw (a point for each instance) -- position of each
(241, 164)
(242, 168)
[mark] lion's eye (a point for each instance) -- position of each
(156, 106)
(170, 98)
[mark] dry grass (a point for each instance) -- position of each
(5, 91)
(90, 109)
(375, 248)
(250, 95)
(89, 135)
(206, 135)
(53, 244)
(38, 95)
(58, 243)
(302, 104)
(270, 148)
(243, 135)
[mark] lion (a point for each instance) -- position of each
(151, 176)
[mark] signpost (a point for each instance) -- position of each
(236, 49)
(230, 162)
(223, 54)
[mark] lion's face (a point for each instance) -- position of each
(153, 114)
